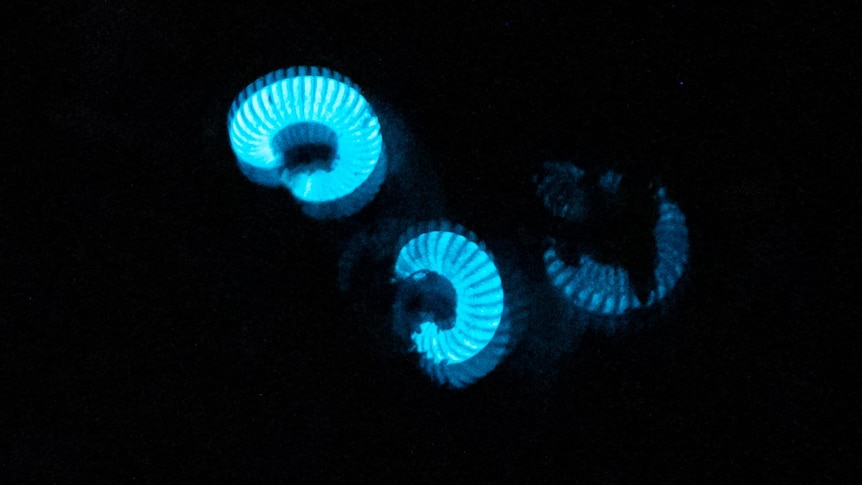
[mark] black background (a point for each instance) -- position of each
(166, 321)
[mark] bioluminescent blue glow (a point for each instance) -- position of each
(310, 130)
(562, 192)
(450, 304)
(606, 289)
(610, 181)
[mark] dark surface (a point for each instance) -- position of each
(164, 320)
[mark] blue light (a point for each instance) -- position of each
(610, 181)
(310, 130)
(606, 289)
(562, 192)
(456, 324)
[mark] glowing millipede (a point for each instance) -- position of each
(450, 303)
(606, 289)
(310, 130)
